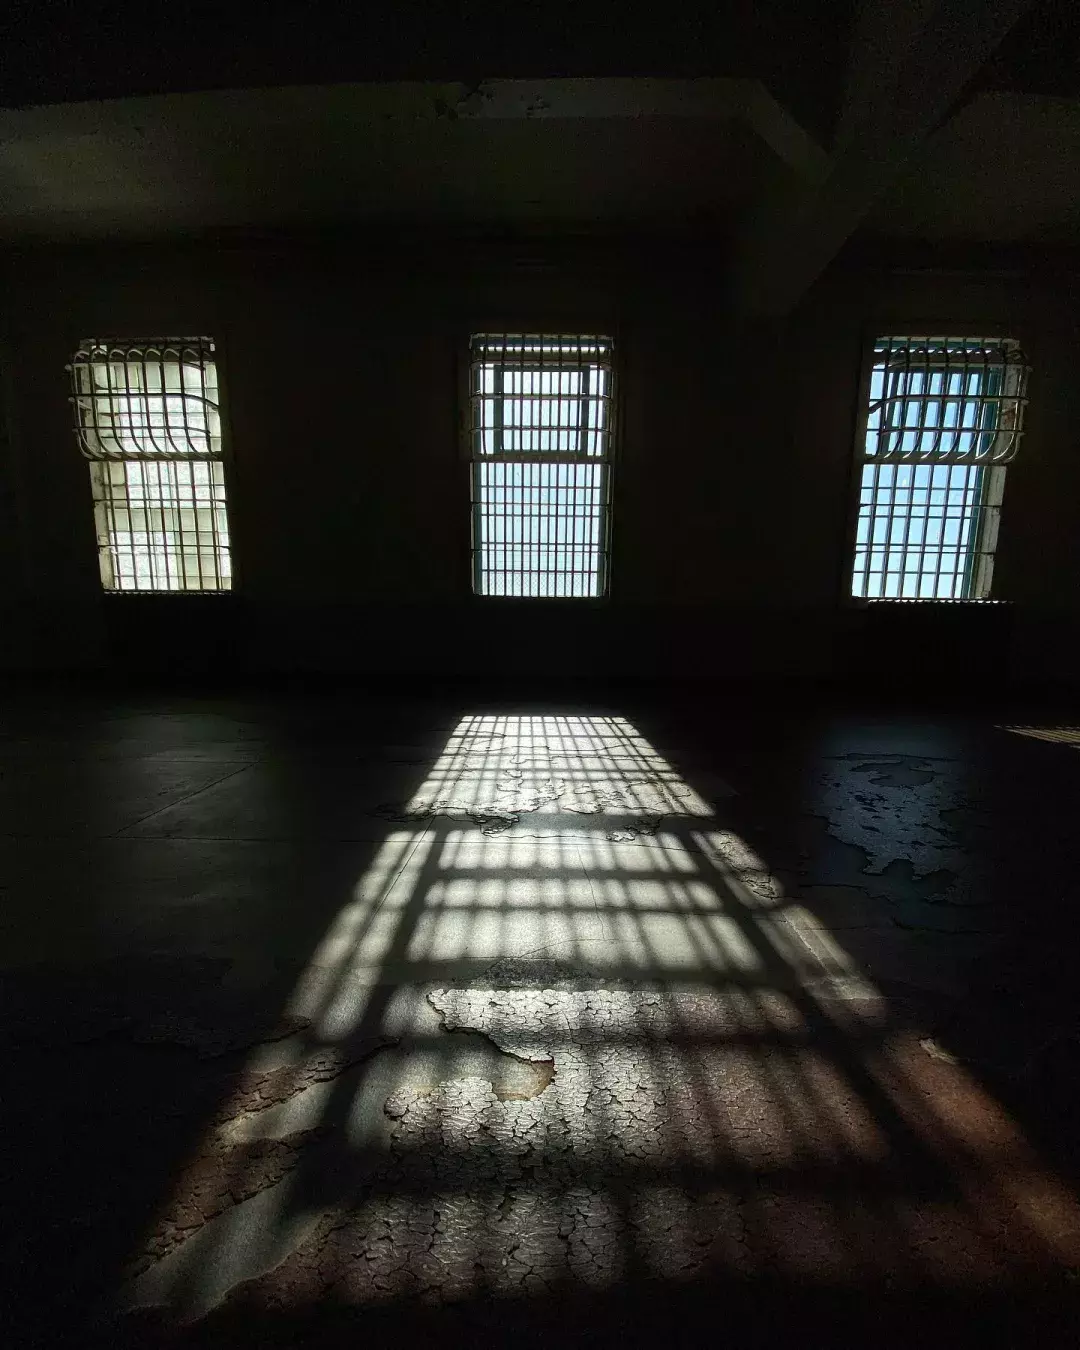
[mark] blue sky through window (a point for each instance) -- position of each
(540, 471)
(920, 510)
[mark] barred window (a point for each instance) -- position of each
(944, 418)
(148, 422)
(540, 445)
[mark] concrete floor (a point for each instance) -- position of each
(553, 1023)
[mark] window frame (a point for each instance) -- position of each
(992, 493)
(223, 456)
(534, 328)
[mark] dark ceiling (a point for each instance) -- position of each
(1042, 53)
(281, 116)
(67, 52)
(60, 51)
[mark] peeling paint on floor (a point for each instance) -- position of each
(579, 1021)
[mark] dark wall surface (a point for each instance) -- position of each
(348, 490)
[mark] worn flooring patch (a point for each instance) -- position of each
(257, 1091)
(223, 1175)
(493, 781)
(681, 1134)
(227, 1171)
(894, 806)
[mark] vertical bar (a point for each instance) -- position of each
(203, 368)
(944, 534)
(568, 367)
(475, 406)
(974, 391)
(500, 524)
(192, 469)
(924, 542)
(972, 513)
(557, 500)
(113, 415)
(546, 413)
(159, 485)
(889, 380)
(584, 392)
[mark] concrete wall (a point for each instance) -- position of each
(349, 495)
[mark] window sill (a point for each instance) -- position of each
(926, 606)
(552, 601)
(928, 602)
(114, 596)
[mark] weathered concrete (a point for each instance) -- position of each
(494, 1015)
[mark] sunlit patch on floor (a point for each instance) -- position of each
(1055, 735)
(612, 1046)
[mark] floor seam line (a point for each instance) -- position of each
(592, 891)
(114, 834)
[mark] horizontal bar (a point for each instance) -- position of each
(539, 457)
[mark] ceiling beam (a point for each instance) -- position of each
(746, 100)
(911, 60)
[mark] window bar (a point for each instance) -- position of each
(561, 476)
(907, 493)
(949, 493)
(542, 403)
(474, 396)
(478, 466)
(192, 488)
(196, 521)
(583, 493)
(501, 475)
(588, 468)
(199, 512)
(147, 420)
(545, 489)
(540, 412)
(222, 550)
(199, 515)
(984, 532)
(101, 470)
(920, 558)
(591, 472)
(939, 454)
(874, 476)
(518, 414)
(499, 480)
(941, 410)
(114, 414)
(885, 476)
(936, 423)
(137, 414)
(872, 473)
(890, 516)
(965, 390)
(562, 583)
(973, 511)
(173, 581)
(571, 388)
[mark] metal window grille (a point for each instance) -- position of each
(541, 445)
(147, 418)
(944, 418)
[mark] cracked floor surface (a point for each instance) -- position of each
(552, 1023)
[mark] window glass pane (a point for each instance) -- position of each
(148, 421)
(162, 526)
(540, 528)
(916, 531)
(541, 437)
(943, 419)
